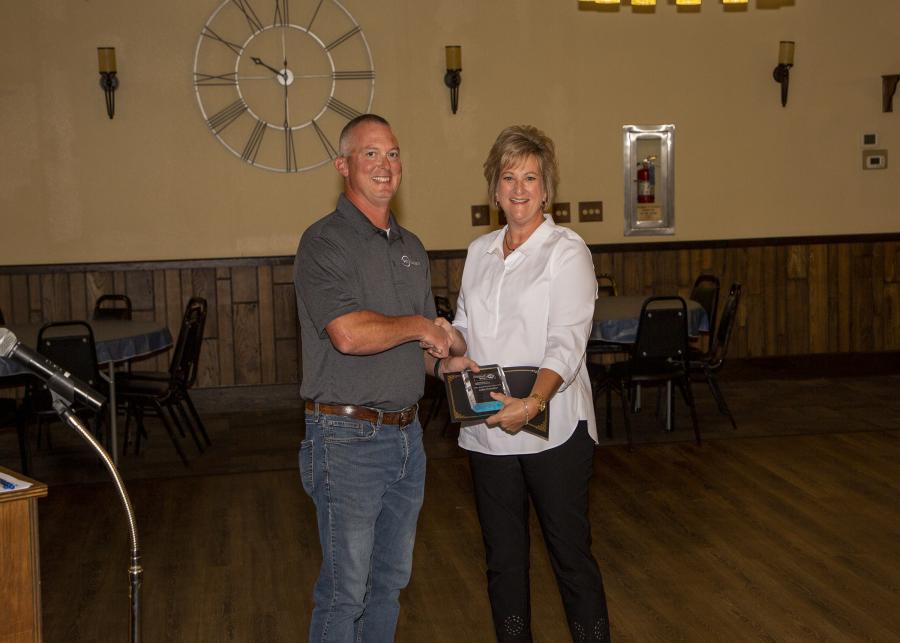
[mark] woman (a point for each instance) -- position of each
(527, 298)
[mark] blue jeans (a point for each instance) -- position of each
(368, 483)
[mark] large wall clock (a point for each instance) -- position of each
(276, 80)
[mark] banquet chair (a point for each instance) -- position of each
(439, 396)
(165, 394)
(112, 307)
(597, 370)
(706, 292)
(710, 363)
(70, 345)
(13, 412)
(606, 285)
(658, 356)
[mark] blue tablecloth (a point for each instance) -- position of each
(116, 341)
(616, 319)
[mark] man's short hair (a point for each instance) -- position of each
(347, 132)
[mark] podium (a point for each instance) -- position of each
(20, 570)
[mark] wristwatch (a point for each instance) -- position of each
(541, 400)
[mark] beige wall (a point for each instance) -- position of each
(154, 184)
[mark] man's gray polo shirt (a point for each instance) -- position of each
(345, 264)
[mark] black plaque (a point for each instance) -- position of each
(519, 382)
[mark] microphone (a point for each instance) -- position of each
(57, 379)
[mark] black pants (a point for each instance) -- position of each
(557, 482)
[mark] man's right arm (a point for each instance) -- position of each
(365, 332)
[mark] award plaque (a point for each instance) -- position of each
(469, 394)
(480, 385)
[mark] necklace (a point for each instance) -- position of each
(506, 244)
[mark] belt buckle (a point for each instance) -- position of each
(408, 414)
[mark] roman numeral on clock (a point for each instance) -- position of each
(212, 35)
(251, 149)
(225, 117)
(212, 80)
(252, 19)
(341, 39)
(329, 148)
(367, 74)
(341, 108)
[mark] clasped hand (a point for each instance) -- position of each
(512, 417)
(438, 338)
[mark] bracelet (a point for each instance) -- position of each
(541, 400)
(525, 404)
(437, 366)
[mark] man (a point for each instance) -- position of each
(366, 313)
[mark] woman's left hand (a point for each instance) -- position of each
(512, 417)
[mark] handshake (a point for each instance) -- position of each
(440, 338)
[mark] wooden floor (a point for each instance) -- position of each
(790, 536)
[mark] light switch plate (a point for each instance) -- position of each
(481, 215)
(590, 210)
(874, 159)
(562, 213)
(869, 139)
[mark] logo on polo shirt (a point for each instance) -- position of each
(407, 262)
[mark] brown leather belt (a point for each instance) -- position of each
(402, 418)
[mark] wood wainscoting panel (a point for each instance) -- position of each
(800, 295)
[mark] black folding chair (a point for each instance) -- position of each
(112, 307)
(439, 395)
(69, 344)
(165, 395)
(658, 356)
(597, 370)
(606, 285)
(710, 363)
(11, 412)
(706, 292)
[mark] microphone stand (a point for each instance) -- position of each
(63, 408)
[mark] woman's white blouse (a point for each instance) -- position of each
(535, 308)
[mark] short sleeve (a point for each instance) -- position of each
(325, 281)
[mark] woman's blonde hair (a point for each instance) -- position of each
(513, 146)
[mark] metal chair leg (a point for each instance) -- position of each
(176, 406)
(685, 385)
(196, 416)
(168, 427)
(713, 383)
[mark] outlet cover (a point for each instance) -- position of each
(481, 215)
(562, 213)
(590, 210)
(875, 159)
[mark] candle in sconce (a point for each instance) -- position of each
(786, 52)
(106, 59)
(454, 57)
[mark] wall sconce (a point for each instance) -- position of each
(106, 61)
(888, 87)
(453, 77)
(782, 73)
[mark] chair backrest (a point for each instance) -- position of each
(70, 344)
(706, 293)
(722, 338)
(662, 332)
(606, 285)
(112, 307)
(443, 307)
(186, 357)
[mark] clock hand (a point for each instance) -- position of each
(272, 69)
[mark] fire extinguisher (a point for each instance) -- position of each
(645, 181)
